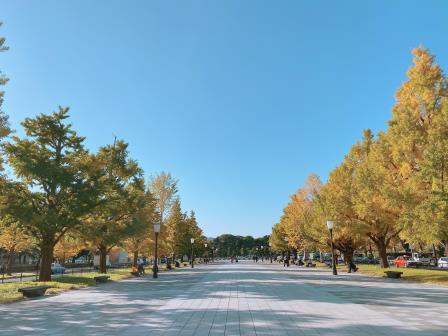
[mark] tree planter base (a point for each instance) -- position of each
(393, 274)
(32, 292)
(101, 278)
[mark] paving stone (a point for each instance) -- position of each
(237, 299)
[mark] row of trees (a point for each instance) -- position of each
(228, 245)
(60, 196)
(391, 188)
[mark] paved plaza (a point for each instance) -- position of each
(237, 299)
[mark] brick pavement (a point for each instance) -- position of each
(237, 299)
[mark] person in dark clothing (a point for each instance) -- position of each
(141, 269)
(352, 267)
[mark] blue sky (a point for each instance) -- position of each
(239, 100)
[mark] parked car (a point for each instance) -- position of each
(390, 260)
(81, 260)
(421, 259)
(365, 260)
(402, 261)
(442, 262)
(142, 261)
(433, 262)
(56, 268)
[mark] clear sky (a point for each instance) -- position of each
(239, 100)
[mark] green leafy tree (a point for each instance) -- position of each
(196, 232)
(141, 228)
(56, 184)
(177, 234)
(122, 197)
(4, 125)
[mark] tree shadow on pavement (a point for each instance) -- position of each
(234, 300)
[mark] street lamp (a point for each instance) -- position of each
(155, 268)
(192, 255)
(330, 225)
(206, 253)
(270, 251)
(262, 253)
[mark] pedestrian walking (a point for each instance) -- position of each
(352, 267)
(141, 269)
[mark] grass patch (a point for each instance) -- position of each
(9, 291)
(320, 264)
(17, 275)
(411, 274)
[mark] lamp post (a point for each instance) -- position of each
(155, 268)
(287, 251)
(206, 253)
(192, 252)
(270, 251)
(262, 253)
(330, 225)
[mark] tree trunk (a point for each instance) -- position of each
(134, 262)
(321, 256)
(103, 258)
(47, 250)
(9, 262)
(445, 243)
(381, 246)
(348, 259)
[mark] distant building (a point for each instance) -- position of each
(118, 256)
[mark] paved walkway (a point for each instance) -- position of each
(237, 299)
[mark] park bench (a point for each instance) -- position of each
(32, 292)
(101, 278)
(393, 274)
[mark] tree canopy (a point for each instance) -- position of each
(388, 188)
